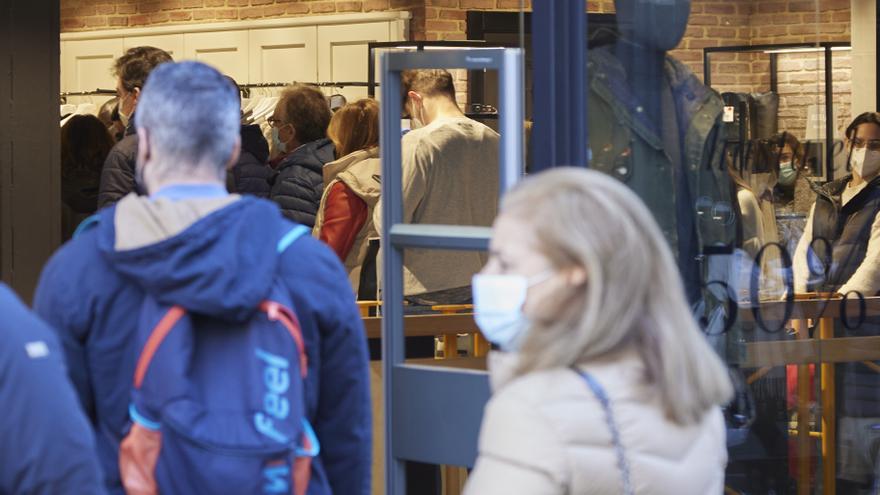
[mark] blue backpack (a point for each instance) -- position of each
(217, 406)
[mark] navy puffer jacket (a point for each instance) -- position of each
(300, 181)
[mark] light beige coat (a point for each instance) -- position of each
(360, 171)
(545, 433)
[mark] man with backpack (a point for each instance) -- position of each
(183, 315)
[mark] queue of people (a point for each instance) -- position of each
(600, 373)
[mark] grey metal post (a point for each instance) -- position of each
(418, 420)
(392, 268)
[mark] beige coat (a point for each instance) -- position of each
(545, 433)
(360, 171)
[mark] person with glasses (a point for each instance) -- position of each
(300, 144)
(840, 253)
(131, 71)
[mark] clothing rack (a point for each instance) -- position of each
(245, 88)
(95, 92)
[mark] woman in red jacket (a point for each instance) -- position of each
(351, 185)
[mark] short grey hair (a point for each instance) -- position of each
(192, 115)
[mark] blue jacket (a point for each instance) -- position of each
(222, 265)
(46, 444)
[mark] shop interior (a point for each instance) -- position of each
(791, 76)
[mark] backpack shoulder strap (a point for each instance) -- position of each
(86, 224)
(291, 236)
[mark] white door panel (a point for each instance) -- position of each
(226, 51)
(88, 64)
(342, 54)
(284, 55)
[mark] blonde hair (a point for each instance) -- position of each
(355, 127)
(633, 294)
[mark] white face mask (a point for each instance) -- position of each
(280, 147)
(865, 163)
(498, 304)
(123, 117)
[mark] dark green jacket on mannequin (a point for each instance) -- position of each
(627, 144)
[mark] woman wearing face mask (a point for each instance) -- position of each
(604, 383)
(840, 253)
(792, 189)
(843, 226)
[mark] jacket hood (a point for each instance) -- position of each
(253, 142)
(212, 256)
(311, 156)
(360, 171)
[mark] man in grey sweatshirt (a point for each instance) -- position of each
(450, 176)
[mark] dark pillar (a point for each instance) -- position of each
(29, 140)
(559, 43)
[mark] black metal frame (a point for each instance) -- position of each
(418, 45)
(480, 23)
(825, 46)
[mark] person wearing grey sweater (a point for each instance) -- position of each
(450, 177)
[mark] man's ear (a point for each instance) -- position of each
(576, 276)
(236, 153)
(144, 152)
(412, 95)
(136, 95)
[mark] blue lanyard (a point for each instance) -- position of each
(602, 397)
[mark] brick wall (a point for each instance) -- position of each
(89, 15)
(712, 23)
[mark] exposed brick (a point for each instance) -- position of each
(117, 21)
(433, 25)
(271, 11)
(181, 16)
(96, 22)
(477, 4)
(192, 4)
(126, 9)
(215, 3)
(509, 4)
(238, 3)
(370, 5)
(455, 15)
(771, 7)
(251, 13)
(704, 20)
(349, 6)
(297, 8)
(256, 3)
(323, 7)
(105, 9)
(139, 20)
(159, 18)
(169, 4)
(149, 7)
(807, 6)
(719, 8)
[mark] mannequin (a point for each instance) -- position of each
(655, 126)
(649, 29)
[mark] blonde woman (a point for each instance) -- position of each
(604, 385)
(351, 185)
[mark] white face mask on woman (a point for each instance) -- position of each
(498, 307)
(864, 162)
